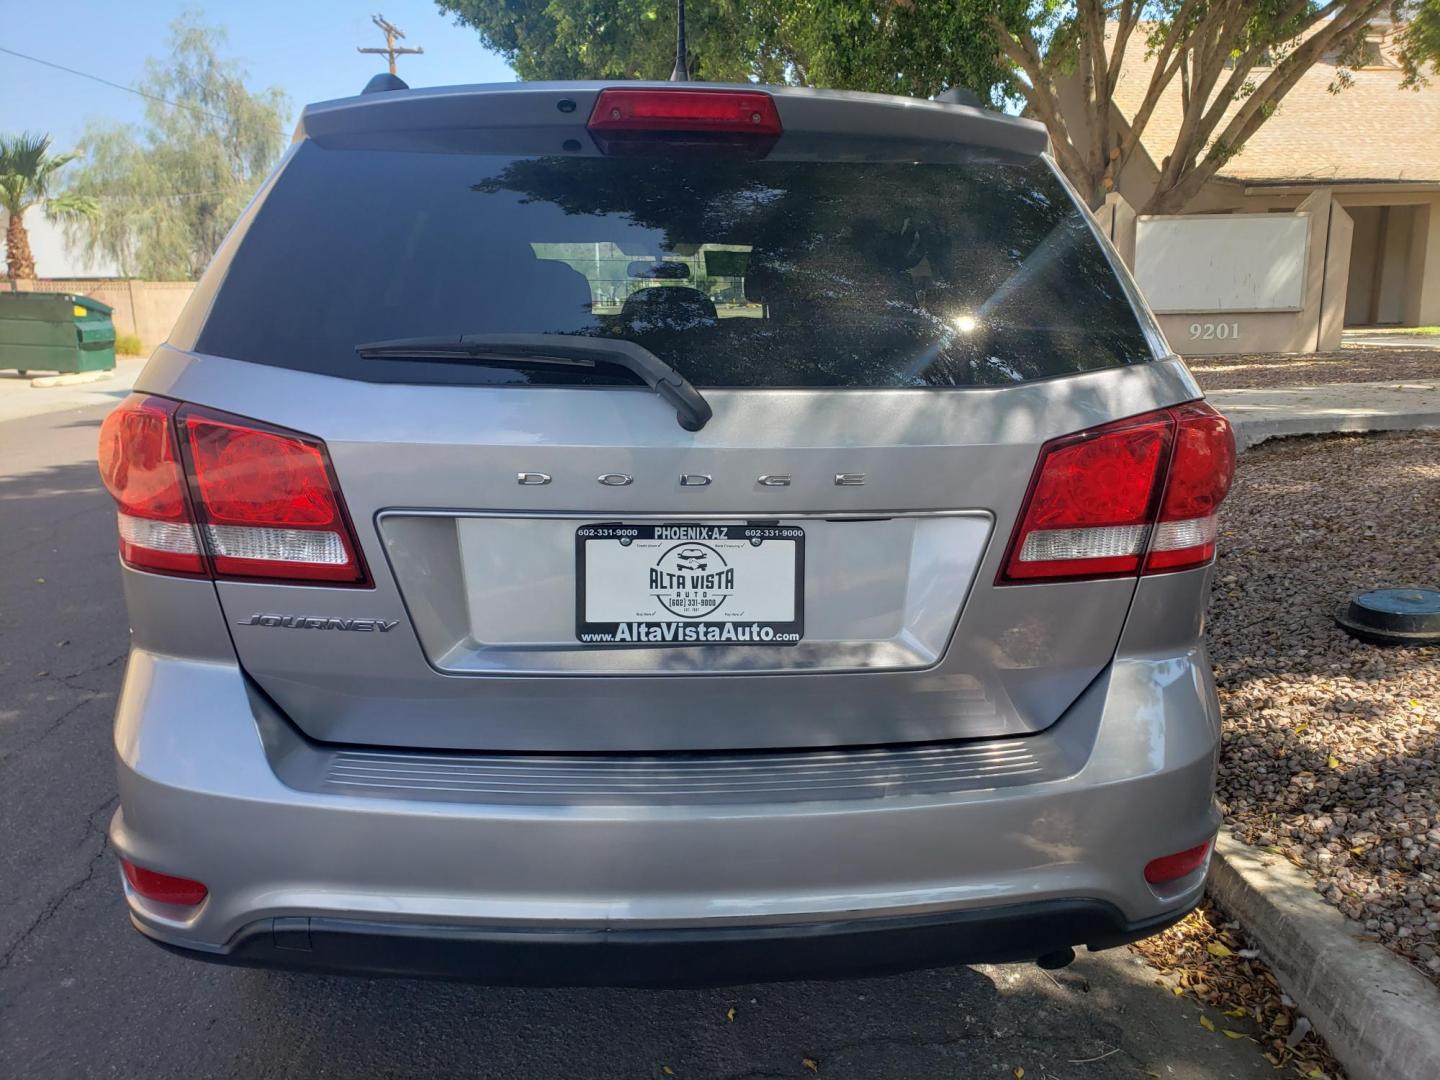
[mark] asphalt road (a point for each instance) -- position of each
(82, 995)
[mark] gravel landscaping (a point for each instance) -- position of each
(1332, 747)
(1263, 371)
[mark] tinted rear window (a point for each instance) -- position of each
(738, 272)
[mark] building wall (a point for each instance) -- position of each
(1394, 265)
(1364, 250)
(1425, 257)
(1208, 330)
(1410, 289)
(1410, 277)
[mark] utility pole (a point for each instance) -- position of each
(392, 34)
(682, 67)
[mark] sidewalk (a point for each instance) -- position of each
(18, 398)
(1382, 339)
(1275, 412)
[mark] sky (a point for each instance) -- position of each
(305, 47)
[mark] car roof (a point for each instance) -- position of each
(539, 104)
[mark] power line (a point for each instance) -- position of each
(117, 86)
(161, 194)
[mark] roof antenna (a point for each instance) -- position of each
(681, 73)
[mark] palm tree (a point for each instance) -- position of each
(27, 172)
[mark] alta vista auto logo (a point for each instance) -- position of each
(691, 580)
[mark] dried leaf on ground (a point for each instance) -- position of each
(1237, 983)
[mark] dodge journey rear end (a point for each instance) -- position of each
(661, 534)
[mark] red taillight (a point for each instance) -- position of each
(267, 501)
(1200, 473)
(1142, 490)
(1173, 867)
(721, 111)
(1091, 503)
(163, 888)
(238, 499)
(140, 464)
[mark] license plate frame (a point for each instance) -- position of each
(724, 623)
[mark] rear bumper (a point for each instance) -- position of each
(670, 889)
(678, 958)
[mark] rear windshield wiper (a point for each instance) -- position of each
(568, 350)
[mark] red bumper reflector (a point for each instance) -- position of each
(726, 111)
(163, 888)
(1173, 867)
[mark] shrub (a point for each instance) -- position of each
(129, 345)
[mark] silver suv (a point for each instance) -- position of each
(663, 533)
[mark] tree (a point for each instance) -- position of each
(1420, 41)
(170, 191)
(1234, 61)
(917, 47)
(1231, 61)
(27, 175)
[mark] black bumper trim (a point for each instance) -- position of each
(722, 956)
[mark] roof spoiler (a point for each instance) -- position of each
(566, 104)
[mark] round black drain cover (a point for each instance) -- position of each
(1393, 617)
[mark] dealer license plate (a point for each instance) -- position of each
(689, 584)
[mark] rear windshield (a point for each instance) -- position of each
(738, 272)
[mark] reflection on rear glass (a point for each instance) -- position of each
(737, 272)
(715, 271)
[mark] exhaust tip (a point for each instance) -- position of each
(1054, 961)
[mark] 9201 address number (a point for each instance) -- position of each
(1211, 331)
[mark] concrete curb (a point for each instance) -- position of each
(74, 378)
(1380, 1017)
(1250, 432)
(1277, 412)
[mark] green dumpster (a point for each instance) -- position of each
(61, 332)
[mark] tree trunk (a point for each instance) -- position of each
(1173, 200)
(1190, 164)
(19, 263)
